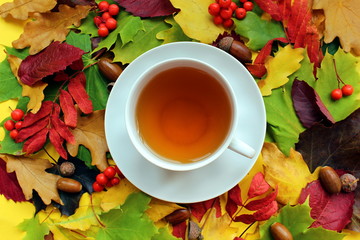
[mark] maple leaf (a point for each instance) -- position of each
(173, 34)
(199, 209)
(9, 86)
(164, 234)
(291, 173)
(195, 20)
(31, 175)
(34, 92)
(153, 9)
(331, 211)
(10, 187)
(286, 61)
(308, 105)
(341, 19)
(20, 9)
(33, 228)
(56, 57)
(159, 209)
(128, 222)
(49, 27)
(297, 220)
(90, 133)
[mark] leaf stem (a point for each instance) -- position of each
(49, 155)
(247, 228)
(96, 216)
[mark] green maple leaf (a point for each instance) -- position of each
(129, 222)
(346, 65)
(297, 219)
(33, 228)
(96, 84)
(142, 41)
(7, 145)
(20, 53)
(128, 27)
(87, 25)
(173, 34)
(164, 234)
(9, 86)
(257, 30)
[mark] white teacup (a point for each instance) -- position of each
(200, 118)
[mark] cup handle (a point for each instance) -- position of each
(242, 148)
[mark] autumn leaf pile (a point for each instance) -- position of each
(299, 47)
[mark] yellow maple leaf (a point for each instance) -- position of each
(90, 132)
(159, 209)
(20, 9)
(351, 235)
(291, 173)
(49, 27)
(34, 92)
(31, 175)
(195, 20)
(11, 215)
(342, 19)
(286, 61)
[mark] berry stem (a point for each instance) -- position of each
(337, 74)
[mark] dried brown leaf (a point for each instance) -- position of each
(31, 175)
(20, 9)
(90, 132)
(49, 27)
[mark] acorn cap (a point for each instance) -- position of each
(194, 232)
(225, 43)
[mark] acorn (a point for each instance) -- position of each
(178, 216)
(330, 180)
(109, 69)
(280, 232)
(236, 48)
(68, 185)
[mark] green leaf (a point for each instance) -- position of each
(173, 34)
(81, 41)
(164, 234)
(20, 53)
(142, 41)
(33, 228)
(257, 30)
(129, 222)
(297, 219)
(88, 26)
(85, 156)
(9, 86)
(128, 27)
(346, 68)
(7, 145)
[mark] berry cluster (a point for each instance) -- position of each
(346, 90)
(106, 22)
(14, 124)
(107, 179)
(223, 10)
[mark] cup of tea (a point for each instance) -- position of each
(182, 114)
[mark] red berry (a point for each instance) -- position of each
(103, 31)
(14, 133)
(224, 3)
(240, 13)
(18, 125)
(243, 1)
(109, 172)
(9, 125)
(97, 20)
(109, 184)
(233, 6)
(115, 181)
(105, 16)
(218, 20)
(103, 6)
(17, 114)
(114, 9)
(214, 9)
(248, 6)
(102, 179)
(97, 187)
(336, 94)
(226, 13)
(228, 23)
(111, 23)
(347, 90)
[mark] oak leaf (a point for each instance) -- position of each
(31, 175)
(20, 9)
(34, 92)
(90, 132)
(49, 27)
(286, 61)
(195, 20)
(291, 173)
(341, 20)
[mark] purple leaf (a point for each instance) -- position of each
(154, 8)
(308, 105)
(56, 57)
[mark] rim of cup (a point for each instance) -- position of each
(130, 114)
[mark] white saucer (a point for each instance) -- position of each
(211, 180)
